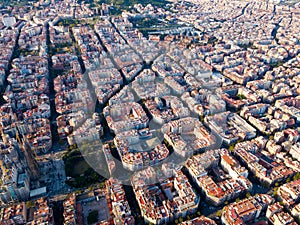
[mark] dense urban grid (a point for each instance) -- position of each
(165, 112)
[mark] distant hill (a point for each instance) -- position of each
(16, 2)
(126, 3)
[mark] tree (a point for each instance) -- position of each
(91, 188)
(281, 203)
(218, 213)
(231, 148)
(61, 141)
(275, 191)
(77, 192)
(296, 177)
(201, 118)
(241, 96)
(92, 217)
(248, 195)
(29, 204)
